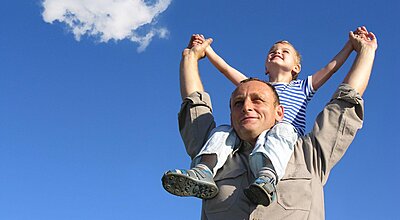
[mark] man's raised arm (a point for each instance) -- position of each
(336, 126)
(365, 43)
(189, 72)
(195, 118)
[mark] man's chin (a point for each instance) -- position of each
(248, 133)
(250, 127)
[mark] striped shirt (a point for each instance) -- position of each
(294, 97)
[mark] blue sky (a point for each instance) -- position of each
(88, 127)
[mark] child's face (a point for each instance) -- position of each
(282, 56)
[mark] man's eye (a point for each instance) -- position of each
(257, 101)
(238, 103)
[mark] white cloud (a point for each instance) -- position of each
(109, 19)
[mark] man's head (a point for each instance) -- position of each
(254, 108)
(283, 55)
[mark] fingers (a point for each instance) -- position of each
(198, 45)
(361, 38)
(198, 36)
(361, 30)
(364, 29)
(191, 41)
(373, 39)
(372, 36)
(208, 42)
(195, 39)
(362, 33)
(351, 35)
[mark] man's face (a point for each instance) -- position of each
(253, 110)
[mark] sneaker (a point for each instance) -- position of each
(262, 191)
(195, 182)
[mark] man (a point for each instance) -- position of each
(300, 192)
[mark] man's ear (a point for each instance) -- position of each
(279, 113)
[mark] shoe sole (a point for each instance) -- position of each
(182, 185)
(257, 195)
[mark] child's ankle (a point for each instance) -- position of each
(268, 172)
(205, 168)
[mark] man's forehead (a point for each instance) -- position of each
(251, 87)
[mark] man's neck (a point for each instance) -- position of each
(246, 147)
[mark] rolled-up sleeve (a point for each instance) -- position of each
(334, 130)
(195, 121)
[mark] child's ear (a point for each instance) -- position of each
(297, 68)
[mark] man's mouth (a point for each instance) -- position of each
(248, 118)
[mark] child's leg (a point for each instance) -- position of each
(268, 162)
(277, 146)
(216, 150)
(198, 181)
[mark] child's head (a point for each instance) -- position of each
(287, 52)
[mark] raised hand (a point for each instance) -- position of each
(197, 46)
(362, 39)
(197, 39)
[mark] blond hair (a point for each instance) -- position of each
(298, 55)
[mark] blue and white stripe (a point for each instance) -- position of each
(294, 97)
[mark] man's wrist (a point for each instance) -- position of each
(367, 50)
(190, 55)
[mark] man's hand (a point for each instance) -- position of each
(361, 39)
(197, 46)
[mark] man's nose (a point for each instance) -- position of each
(247, 106)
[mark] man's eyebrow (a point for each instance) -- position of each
(257, 95)
(238, 97)
(252, 95)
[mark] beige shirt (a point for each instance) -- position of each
(300, 193)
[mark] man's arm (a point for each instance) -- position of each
(336, 126)
(195, 118)
(189, 71)
(365, 43)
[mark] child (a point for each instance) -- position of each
(273, 148)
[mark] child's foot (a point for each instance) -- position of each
(262, 191)
(197, 182)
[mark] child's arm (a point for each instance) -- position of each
(231, 73)
(320, 77)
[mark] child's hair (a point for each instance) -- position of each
(298, 55)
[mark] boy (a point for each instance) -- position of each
(273, 148)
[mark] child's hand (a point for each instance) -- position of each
(197, 46)
(362, 39)
(197, 39)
